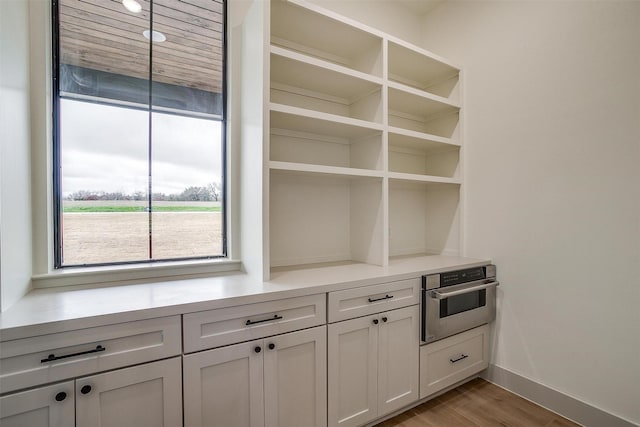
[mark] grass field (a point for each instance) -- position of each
(116, 236)
(124, 209)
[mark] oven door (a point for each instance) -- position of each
(448, 311)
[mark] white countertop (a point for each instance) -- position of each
(45, 311)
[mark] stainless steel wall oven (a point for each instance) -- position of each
(456, 301)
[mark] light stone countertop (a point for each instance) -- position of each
(46, 311)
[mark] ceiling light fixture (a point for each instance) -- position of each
(155, 36)
(132, 6)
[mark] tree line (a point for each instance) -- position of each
(208, 193)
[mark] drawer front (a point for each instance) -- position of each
(373, 299)
(453, 359)
(39, 360)
(215, 328)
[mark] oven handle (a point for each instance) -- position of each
(444, 295)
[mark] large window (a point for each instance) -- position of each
(139, 138)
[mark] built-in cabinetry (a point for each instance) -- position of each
(279, 380)
(148, 394)
(363, 140)
(373, 359)
(346, 357)
(453, 359)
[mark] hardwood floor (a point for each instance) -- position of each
(478, 403)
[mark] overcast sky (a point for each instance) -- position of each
(105, 148)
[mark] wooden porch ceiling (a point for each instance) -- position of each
(103, 35)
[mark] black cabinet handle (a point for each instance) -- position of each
(61, 396)
(257, 349)
(270, 319)
(384, 319)
(380, 299)
(375, 321)
(86, 389)
(272, 346)
(53, 357)
(462, 357)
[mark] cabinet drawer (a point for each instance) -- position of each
(453, 359)
(373, 299)
(44, 359)
(215, 328)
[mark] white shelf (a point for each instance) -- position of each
(320, 63)
(327, 117)
(423, 218)
(316, 87)
(418, 111)
(410, 154)
(427, 137)
(420, 69)
(325, 170)
(300, 29)
(348, 184)
(318, 218)
(422, 179)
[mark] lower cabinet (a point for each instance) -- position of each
(274, 382)
(453, 359)
(147, 395)
(373, 366)
(49, 406)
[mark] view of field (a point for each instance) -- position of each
(115, 231)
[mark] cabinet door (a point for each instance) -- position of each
(148, 395)
(295, 379)
(353, 371)
(398, 359)
(224, 387)
(51, 406)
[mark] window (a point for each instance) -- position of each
(139, 132)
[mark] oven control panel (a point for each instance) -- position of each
(462, 276)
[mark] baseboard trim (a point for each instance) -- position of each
(567, 406)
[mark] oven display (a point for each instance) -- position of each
(461, 276)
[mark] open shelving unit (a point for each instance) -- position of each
(363, 142)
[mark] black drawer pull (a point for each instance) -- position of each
(270, 319)
(53, 357)
(462, 357)
(61, 396)
(380, 299)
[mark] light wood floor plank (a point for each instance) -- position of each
(478, 403)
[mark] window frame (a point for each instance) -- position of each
(56, 163)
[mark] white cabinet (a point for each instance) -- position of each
(275, 382)
(214, 328)
(101, 390)
(373, 366)
(32, 361)
(363, 142)
(453, 359)
(148, 395)
(50, 406)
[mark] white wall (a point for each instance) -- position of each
(15, 204)
(553, 184)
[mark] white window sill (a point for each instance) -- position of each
(134, 273)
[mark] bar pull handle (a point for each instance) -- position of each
(462, 357)
(270, 319)
(381, 299)
(53, 357)
(465, 290)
